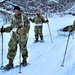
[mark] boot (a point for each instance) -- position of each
(41, 39)
(36, 40)
(9, 65)
(24, 62)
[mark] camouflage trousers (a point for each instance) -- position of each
(38, 32)
(14, 41)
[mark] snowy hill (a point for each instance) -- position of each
(53, 0)
(71, 10)
(45, 58)
(29, 6)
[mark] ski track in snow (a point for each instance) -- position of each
(46, 58)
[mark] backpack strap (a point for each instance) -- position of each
(22, 20)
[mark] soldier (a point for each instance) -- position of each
(20, 26)
(38, 20)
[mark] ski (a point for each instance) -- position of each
(39, 41)
(16, 66)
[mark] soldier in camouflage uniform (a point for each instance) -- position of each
(19, 36)
(38, 20)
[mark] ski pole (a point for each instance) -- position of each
(49, 29)
(2, 46)
(20, 55)
(20, 45)
(66, 50)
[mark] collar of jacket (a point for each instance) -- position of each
(18, 16)
(38, 15)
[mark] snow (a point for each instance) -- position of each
(2, 0)
(1, 20)
(72, 9)
(53, 0)
(4, 10)
(46, 58)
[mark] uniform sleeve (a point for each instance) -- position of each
(7, 29)
(26, 24)
(73, 25)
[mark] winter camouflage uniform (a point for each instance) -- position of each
(38, 20)
(18, 36)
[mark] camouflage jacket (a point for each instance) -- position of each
(16, 22)
(38, 19)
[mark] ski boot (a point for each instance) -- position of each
(9, 65)
(24, 62)
(41, 39)
(36, 41)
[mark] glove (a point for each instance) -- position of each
(1, 30)
(70, 29)
(30, 19)
(46, 21)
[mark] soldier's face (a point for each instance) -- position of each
(17, 12)
(38, 13)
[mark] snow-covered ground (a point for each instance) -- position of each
(45, 58)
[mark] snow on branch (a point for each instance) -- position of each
(1, 1)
